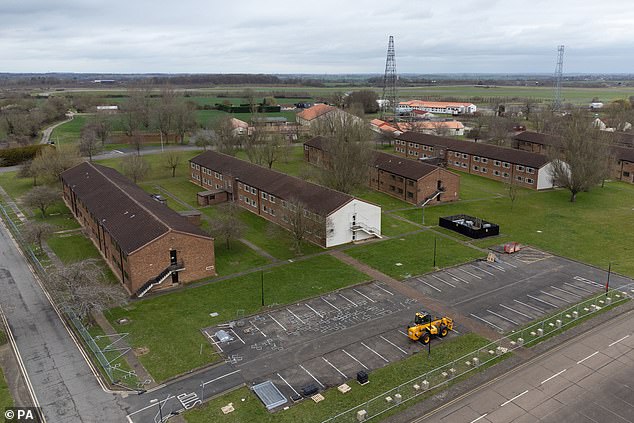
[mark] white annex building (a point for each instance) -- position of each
(442, 107)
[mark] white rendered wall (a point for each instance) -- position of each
(338, 227)
(545, 177)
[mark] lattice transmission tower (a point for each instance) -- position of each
(558, 74)
(390, 101)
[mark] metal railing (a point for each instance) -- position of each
(483, 356)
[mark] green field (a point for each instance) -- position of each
(73, 247)
(69, 132)
(169, 325)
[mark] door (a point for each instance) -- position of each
(173, 259)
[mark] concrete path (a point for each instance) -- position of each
(46, 133)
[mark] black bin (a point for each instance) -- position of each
(362, 377)
(309, 390)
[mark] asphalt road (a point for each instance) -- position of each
(589, 379)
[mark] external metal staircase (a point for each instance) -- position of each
(167, 272)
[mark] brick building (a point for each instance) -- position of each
(146, 244)
(408, 180)
(525, 169)
(337, 218)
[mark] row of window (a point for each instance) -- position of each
(248, 200)
(196, 176)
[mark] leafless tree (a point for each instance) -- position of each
(529, 106)
(41, 197)
(26, 171)
(366, 98)
(227, 224)
(498, 130)
(89, 143)
(164, 114)
(302, 223)
(172, 159)
(137, 110)
(102, 127)
(82, 286)
(512, 190)
(36, 232)
(135, 167)
(184, 118)
(225, 140)
(51, 162)
(203, 138)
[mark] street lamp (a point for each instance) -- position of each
(160, 407)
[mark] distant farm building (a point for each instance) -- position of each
(442, 107)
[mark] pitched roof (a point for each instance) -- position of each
(126, 212)
(623, 153)
(318, 199)
(537, 138)
(440, 104)
(315, 111)
(478, 149)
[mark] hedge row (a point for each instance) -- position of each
(17, 155)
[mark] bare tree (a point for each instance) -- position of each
(164, 114)
(26, 171)
(102, 127)
(512, 190)
(225, 140)
(82, 286)
(581, 159)
(41, 197)
(184, 118)
(529, 106)
(36, 232)
(498, 130)
(135, 167)
(136, 111)
(89, 143)
(302, 223)
(227, 224)
(172, 159)
(203, 138)
(51, 162)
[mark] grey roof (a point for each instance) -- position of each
(478, 149)
(129, 214)
(318, 199)
(538, 138)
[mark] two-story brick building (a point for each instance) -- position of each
(409, 180)
(146, 244)
(338, 218)
(523, 168)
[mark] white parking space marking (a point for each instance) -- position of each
(400, 331)
(619, 340)
(394, 345)
(288, 384)
(588, 357)
(379, 355)
(237, 336)
(515, 311)
(331, 304)
(554, 296)
(333, 366)
(566, 292)
(280, 325)
(541, 301)
(458, 278)
(217, 344)
(258, 329)
(482, 270)
(363, 295)
(587, 281)
(429, 285)
(311, 375)
(382, 289)
(469, 273)
(513, 399)
(553, 376)
(501, 269)
(354, 358)
(509, 264)
(349, 300)
(579, 288)
(445, 282)
(487, 322)
(295, 316)
(530, 306)
(502, 317)
(314, 311)
(479, 418)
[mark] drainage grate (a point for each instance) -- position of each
(269, 394)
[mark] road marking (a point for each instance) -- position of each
(333, 366)
(590, 356)
(331, 305)
(310, 374)
(296, 316)
(238, 336)
(501, 269)
(429, 285)
(579, 288)
(258, 329)
(541, 301)
(618, 340)
(363, 295)
(400, 331)
(554, 296)
(530, 306)
(481, 417)
(515, 311)
(394, 345)
(469, 273)
(508, 264)
(349, 300)
(458, 278)
(513, 399)
(502, 317)
(587, 281)
(287, 384)
(214, 342)
(382, 358)
(117, 151)
(169, 397)
(350, 355)
(189, 401)
(445, 282)
(482, 270)
(220, 377)
(486, 321)
(566, 292)
(314, 311)
(553, 376)
(275, 320)
(383, 289)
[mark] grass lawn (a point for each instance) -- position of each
(237, 258)
(14, 186)
(169, 325)
(6, 400)
(415, 253)
(59, 215)
(386, 202)
(158, 168)
(73, 247)
(591, 230)
(252, 409)
(474, 187)
(391, 226)
(69, 132)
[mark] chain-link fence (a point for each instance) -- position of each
(483, 356)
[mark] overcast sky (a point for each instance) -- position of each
(324, 36)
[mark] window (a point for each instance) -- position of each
(306, 147)
(520, 168)
(483, 170)
(530, 170)
(464, 165)
(464, 156)
(497, 162)
(264, 209)
(253, 203)
(431, 148)
(392, 188)
(241, 197)
(476, 168)
(410, 183)
(217, 186)
(425, 147)
(476, 158)
(457, 154)
(529, 181)
(416, 153)
(505, 175)
(253, 190)
(264, 196)
(246, 188)
(272, 199)
(400, 190)
(519, 178)
(272, 211)
(484, 160)
(246, 200)
(192, 165)
(197, 167)
(239, 185)
(506, 165)
(496, 172)
(410, 194)
(221, 176)
(626, 174)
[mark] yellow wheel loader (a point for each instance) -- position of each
(424, 327)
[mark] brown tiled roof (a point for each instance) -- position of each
(538, 138)
(624, 153)
(126, 212)
(318, 199)
(315, 111)
(478, 149)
